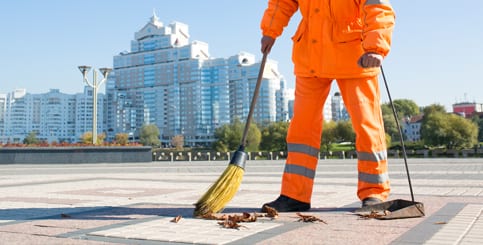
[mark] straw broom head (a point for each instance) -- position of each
(221, 192)
(225, 188)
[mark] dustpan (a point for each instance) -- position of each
(394, 209)
(399, 208)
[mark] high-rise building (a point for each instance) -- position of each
(166, 80)
(3, 108)
(173, 83)
(339, 112)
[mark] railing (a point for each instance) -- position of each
(160, 155)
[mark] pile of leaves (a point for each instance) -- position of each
(233, 221)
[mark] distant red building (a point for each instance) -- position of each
(467, 109)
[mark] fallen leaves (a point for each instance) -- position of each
(232, 221)
(271, 212)
(230, 224)
(176, 219)
(375, 214)
(309, 218)
(441, 223)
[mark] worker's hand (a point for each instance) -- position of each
(370, 60)
(267, 44)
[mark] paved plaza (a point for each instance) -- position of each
(136, 203)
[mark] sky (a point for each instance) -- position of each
(436, 56)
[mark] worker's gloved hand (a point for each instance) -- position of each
(370, 60)
(267, 44)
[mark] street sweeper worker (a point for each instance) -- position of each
(346, 41)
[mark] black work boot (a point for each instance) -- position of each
(369, 201)
(286, 204)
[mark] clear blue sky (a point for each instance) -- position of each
(436, 57)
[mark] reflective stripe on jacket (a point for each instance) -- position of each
(333, 34)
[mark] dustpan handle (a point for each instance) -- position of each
(254, 101)
(400, 134)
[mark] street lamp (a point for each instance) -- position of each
(94, 85)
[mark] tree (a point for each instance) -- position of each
(406, 108)
(31, 139)
(122, 138)
(450, 130)
(328, 135)
(228, 137)
(345, 132)
(478, 121)
(463, 132)
(434, 108)
(389, 123)
(149, 135)
(86, 138)
(274, 137)
(178, 142)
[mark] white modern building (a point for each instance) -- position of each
(339, 112)
(167, 80)
(53, 116)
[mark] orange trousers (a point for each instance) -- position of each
(362, 99)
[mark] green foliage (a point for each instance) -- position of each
(434, 108)
(336, 132)
(86, 138)
(122, 138)
(388, 140)
(345, 132)
(452, 131)
(406, 108)
(253, 139)
(149, 135)
(274, 137)
(479, 122)
(228, 137)
(390, 125)
(31, 139)
(329, 136)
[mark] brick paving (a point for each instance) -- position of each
(134, 203)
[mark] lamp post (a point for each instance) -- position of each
(94, 85)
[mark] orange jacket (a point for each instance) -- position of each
(333, 34)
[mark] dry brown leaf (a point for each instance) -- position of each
(209, 216)
(440, 223)
(176, 219)
(309, 218)
(230, 224)
(375, 214)
(244, 217)
(271, 212)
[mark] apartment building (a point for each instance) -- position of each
(53, 116)
(174, 83)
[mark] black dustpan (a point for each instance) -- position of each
(394, 209)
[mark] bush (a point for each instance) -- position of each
(122, 138)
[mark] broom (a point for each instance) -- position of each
(225, 188)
